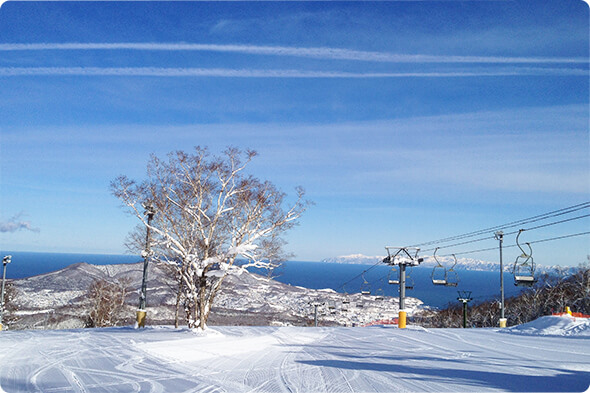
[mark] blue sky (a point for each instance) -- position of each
(404, 121)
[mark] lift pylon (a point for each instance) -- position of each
(403, 257)
(464, 297)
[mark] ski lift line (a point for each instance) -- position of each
(539, 217)
(510, 225)
(511, 233)
(552, 223)
(514, 245)
(359, 275)
(473, 252)
(560, 237)
(462, 243)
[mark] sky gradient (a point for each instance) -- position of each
(404, 121)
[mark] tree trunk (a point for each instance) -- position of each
(203, 306)
(178, 297)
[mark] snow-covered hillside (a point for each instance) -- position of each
(298, 359)
(58, 300)
(462, 263)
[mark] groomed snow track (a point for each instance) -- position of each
(289, 359)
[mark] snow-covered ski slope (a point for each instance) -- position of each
(551, 354)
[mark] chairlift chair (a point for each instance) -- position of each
(365, 287)
(452, 276)
(409, 280)
(345, 304)
(379, 294)
(524, 265)
(524, 275)
(439, 272)
(393, 276)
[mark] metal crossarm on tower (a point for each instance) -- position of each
(464, 297)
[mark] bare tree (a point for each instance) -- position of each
(107, 299)
(208, 213)
(10, 293)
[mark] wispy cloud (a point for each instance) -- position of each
(15, 224)
(314, 52)
(278, 73)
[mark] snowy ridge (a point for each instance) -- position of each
(448, 261)
(429, 261)
(563, 325)
(58, 300)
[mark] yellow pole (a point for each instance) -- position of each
(141, 318)
(402, 319)
(503, 322)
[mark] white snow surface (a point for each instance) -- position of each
(564, 325)
(298, 359)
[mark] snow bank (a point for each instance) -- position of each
(206, 345)
(213, 344)
(553, 326)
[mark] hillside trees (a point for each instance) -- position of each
(551, 294)
(209, 213)
(10, 294)
(106, 301)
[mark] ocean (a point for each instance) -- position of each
(26, 264)
(318, 275)
(344, 278)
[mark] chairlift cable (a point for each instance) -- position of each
(532, 219)
(553, 223)
(560, 237)
(359, 275)
(511, 233)
(539, 217)
(462, 243)
(514, 245)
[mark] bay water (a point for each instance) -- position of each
(344, 278)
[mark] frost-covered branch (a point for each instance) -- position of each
(209, 213)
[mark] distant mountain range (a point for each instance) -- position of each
(448, 261)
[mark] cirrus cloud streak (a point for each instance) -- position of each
(277, 73)
(314, 52)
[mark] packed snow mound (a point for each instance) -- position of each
(212, 344)
(553, 326)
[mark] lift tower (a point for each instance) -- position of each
(464, 297)
(402, 257)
